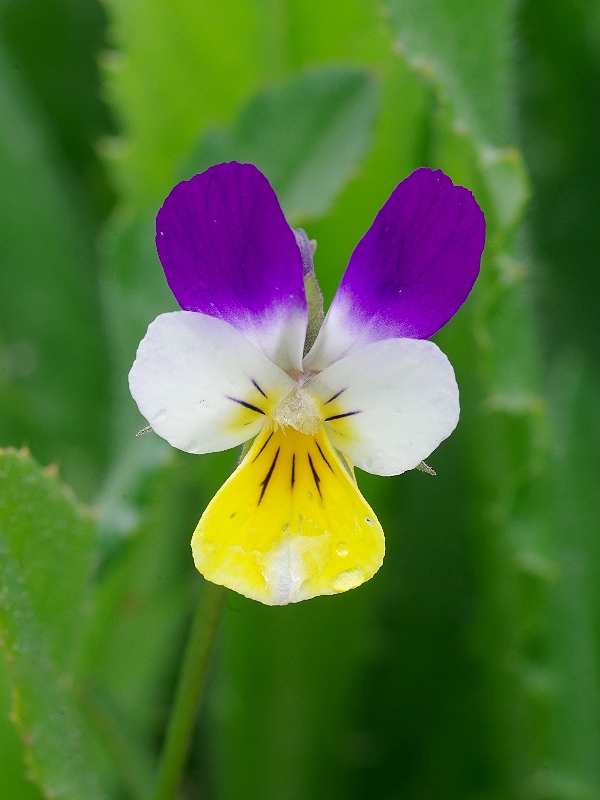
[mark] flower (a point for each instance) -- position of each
(290, 523)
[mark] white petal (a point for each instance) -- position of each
(388, 406)
(201, 384)
(339, 336)
(280, 335)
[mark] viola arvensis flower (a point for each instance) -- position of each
(371, 392)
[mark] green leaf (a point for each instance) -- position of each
(308, 135)
(45, 562)
(573, 622)
(50, 334)
(13, 779)
(466, 49)
(54, 45)
(557, 81)
(178, 66)
(172, 74)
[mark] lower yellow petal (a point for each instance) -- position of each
(289, 524)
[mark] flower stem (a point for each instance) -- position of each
(189, 689)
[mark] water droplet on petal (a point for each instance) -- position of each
(349, 579)
(342, 549)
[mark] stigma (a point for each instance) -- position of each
(299, 411)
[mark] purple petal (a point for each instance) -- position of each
(227, 251)
(410, 272)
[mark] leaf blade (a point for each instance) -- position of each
(308, 135)
(41, 621)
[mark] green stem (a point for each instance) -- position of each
(189, 689)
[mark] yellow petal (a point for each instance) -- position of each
(289, 524)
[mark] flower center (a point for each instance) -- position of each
(298, 410)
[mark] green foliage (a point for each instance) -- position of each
(170, 76)
(558, 87)
(307, 136)
(54, 45)
(468, 667)
(50, 331)
(467, 50)
(46, 547)
(13, 777)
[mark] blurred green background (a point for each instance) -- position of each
(469, 666)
